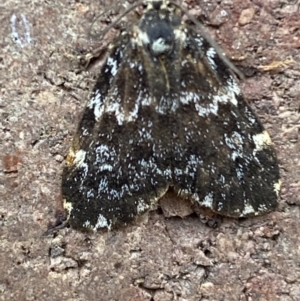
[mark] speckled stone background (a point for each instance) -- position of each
(42, 94)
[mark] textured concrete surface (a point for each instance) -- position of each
(41, 97)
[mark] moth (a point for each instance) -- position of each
(166, 112)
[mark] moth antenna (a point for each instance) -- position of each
(108, 28)
(211, 41)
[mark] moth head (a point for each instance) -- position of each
(156, 27)
(155, 4)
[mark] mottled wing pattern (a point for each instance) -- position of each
(223, 157)
(166, 111)
(119, 163)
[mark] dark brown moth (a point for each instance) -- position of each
(165, 112)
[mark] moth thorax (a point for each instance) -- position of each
(161, 37)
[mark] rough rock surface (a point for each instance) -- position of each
(159, 259)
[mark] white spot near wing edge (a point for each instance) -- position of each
(113, 64)
(208, 200)
(248, 209)
(210, 54)
(79, 158)
(142, 206)
(68, 206)
(277, 187)
(261, 141)
(102, 222)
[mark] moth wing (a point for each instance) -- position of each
(117, 166)
(223, 157)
